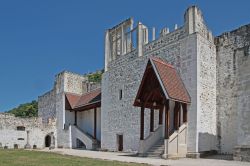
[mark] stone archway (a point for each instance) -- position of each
(48, 140)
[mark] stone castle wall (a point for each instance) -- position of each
(11, 136)
(233, 90)
(65, 82)
(216, 76)
(206, 89)
(184, 48)
(52, 103)
(68, 82)
(46, 106)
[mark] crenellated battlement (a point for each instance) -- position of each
(124, 38)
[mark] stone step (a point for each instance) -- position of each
(153, 156)
(157, 150)
(155, 153)
(162, 146)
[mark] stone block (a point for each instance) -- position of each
(242, 153)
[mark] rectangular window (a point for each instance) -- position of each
(20, 128)
(120, 94)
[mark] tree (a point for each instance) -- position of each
(95, 77)
(26, 110)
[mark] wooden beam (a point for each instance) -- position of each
(166, 120)
(94, 123)
(151, 120)
(142, 123)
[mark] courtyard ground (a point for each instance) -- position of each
(126, 157)
(36, 158)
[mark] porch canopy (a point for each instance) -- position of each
(87, 101)
(83, 102)
(161, 83)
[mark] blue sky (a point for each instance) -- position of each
(39, 38)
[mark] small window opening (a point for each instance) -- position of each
(120, 94)
(20, 128)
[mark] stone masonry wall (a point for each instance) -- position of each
(52, 104)
(120, 116)
(192, 51)
(233, 88)
(9, 135)
(46, 106)
(71, 83)
(206, 90)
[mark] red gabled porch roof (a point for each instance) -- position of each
(86, 101)
(169, 80)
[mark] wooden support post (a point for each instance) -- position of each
(184, 108)
(75, 118)
(179, 113)
(176, 116)
(166, 120)
(142, 123)
(94, 123)
(160, 115)
(152, 120)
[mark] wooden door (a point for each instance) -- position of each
(120, 142)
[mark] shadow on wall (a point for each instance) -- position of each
(208, 142)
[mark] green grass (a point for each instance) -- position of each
(35, 158)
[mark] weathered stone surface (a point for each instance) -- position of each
(10, 136)
(233, 89)
(242, 153)
(193, 54)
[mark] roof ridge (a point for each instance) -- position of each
(162, 62)
(71, 93)
(96, 89)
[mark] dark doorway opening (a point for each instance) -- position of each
(80, 144)
(47, 141)
(120, 142)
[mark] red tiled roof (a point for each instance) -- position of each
(86, 99)
(171, 80)
(89, 98)
(72, 99)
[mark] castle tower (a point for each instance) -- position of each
(190, 48)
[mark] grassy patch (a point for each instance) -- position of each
(35, 158)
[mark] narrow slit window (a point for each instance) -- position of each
(120, 94)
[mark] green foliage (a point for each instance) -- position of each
(26, 110)
(95, 77)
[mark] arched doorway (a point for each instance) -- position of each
(47, 141)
